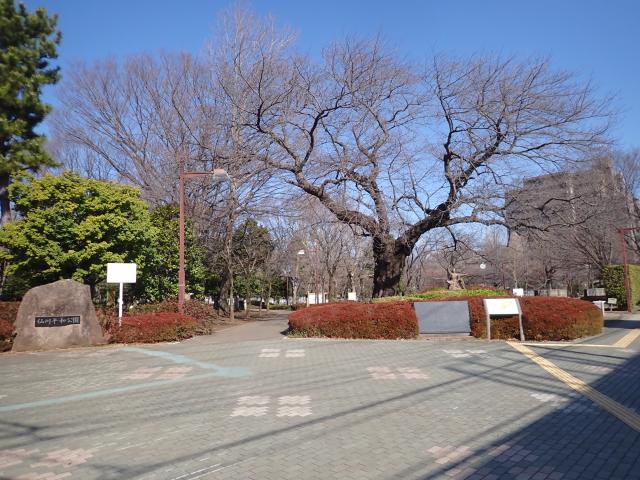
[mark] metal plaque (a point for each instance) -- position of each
(61, 321)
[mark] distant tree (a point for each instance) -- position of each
(161, 272)
(252, 247)
(71, 227)
(28, 42)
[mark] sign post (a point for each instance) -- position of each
(121, 273)
(503, 307)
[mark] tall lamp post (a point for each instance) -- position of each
(296, 285)
(483, 267)
(182, 174)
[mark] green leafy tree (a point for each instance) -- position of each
(71, 227)
(161, 273)
(28, 42)
(251, 248)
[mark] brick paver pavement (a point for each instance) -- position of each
(250, 404)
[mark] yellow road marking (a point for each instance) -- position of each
(618, 410)
(532, 344)
(628, 339)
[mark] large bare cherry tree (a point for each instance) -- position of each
(394, 149)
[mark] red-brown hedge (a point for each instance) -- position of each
(153, 327)
(8, 313)
(543, 318)
(356, 320)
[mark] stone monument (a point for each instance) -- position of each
(57, 315)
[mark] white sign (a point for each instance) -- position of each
(501, 306)
(352, 296)
(316, 298)
(121, 273)
(518, 292)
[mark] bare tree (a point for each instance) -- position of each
(136, 121)
(395, 154)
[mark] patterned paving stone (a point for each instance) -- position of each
(173, 373)
(294, 400)
(294, 411)
(65, 458)
(44, 476)
(15, 456)
(466, 353)
(254, 400)
(242, 411)
(386, 373)
(297, 353)
(316, 418)
(269, 353)
(142, 373)
(275, 353)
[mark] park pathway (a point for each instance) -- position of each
(249, 403)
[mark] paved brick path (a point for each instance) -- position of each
(247, 403)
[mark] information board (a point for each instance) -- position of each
(502, 306)
(121, 273)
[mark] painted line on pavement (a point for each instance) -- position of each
(628, 339)
(593, 345)
(101, 393)
(228, 372)
(623, 413)
(219, 371)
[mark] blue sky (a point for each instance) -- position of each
(598, 40)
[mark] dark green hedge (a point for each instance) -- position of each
(613, 279)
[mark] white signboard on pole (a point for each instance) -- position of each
(121, 273)
(503, 307)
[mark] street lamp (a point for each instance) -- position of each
(483, 267)
(296, 285)
(182, 174)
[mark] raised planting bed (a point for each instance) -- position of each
(544, 318)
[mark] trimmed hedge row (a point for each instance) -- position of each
(356, 320)
(444, 294)
(153, 327)
(8, 313)
(160, 323)
(544, 318)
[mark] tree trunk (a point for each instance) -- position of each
(268, 295)
(332, 289)
(225, 294)
(5, 205)
(389, 262)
